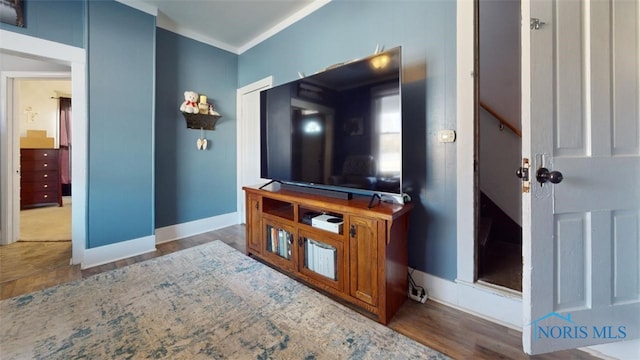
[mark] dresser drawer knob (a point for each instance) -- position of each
(46, 196)
(45, 165)
(46, 186)
(46, 154)
(46, 175)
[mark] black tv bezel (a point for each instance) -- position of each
(310, 186)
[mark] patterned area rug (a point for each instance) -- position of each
(207, 302)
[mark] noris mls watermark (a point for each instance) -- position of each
(556, 326)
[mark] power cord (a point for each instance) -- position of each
(416, 292)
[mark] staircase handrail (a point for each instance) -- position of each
(503, 122)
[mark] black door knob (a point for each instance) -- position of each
(543, 175)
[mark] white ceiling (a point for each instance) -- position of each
(232, 25)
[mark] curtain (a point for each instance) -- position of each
(65, 140)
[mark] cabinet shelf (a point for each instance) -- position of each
(365, 264)
(201, 121)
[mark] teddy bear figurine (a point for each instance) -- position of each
(190, 105)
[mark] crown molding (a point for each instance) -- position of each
(162, 21)
(139, 5)
(300, 14)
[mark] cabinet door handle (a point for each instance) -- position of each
(352, 231)
(257, 205)
(300, 241)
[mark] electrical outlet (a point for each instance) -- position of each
(423, 296)
(413, 296)
(417, 295)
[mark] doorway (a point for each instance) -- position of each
(248, 136)
(40, 112)
(43, 121)
(499, 144)
(25, 57)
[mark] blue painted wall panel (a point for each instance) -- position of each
(426, 30)
(193, 184)
(121, 123)
(56, 20)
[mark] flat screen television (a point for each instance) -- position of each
(339, 129)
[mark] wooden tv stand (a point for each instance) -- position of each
(363, 263)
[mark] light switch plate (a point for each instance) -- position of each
(446, 136)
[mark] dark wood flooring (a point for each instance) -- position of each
(450, 331)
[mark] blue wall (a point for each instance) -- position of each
(56, 20)
(121, 54)
(426, 30)
(193, 184)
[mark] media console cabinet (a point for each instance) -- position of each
(363, 262)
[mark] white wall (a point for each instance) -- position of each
(499, 88)
(499, 158)
(38, 105)
(500, 57)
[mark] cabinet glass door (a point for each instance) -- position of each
(321, 258)
(279, 241)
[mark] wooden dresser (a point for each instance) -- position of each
(39, 177)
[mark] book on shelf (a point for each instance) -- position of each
(321, 258)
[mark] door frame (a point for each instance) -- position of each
(12, 148)
(496, 303)
(243, 144)
(49, 51)
(466, 138)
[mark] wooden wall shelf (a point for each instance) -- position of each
(201, 121)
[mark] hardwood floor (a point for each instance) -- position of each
(450, 331)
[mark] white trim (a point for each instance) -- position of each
(79, 160)
(39, 47)
(28, 46)
(241, 146)
(142, 6)
(9, 225)
(162, 21)
(466, 140)
(118, 251)
(315, 5)
(179, 231)
(482, 301)
(11, 152)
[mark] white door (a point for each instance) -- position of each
(581, 117)
(249, 138)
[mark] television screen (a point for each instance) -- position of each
(337, 129)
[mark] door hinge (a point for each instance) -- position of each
(535, 23)
(523, 173)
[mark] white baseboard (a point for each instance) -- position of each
(118, 251)
(503, 308)
(482, 301)
(179, 231)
